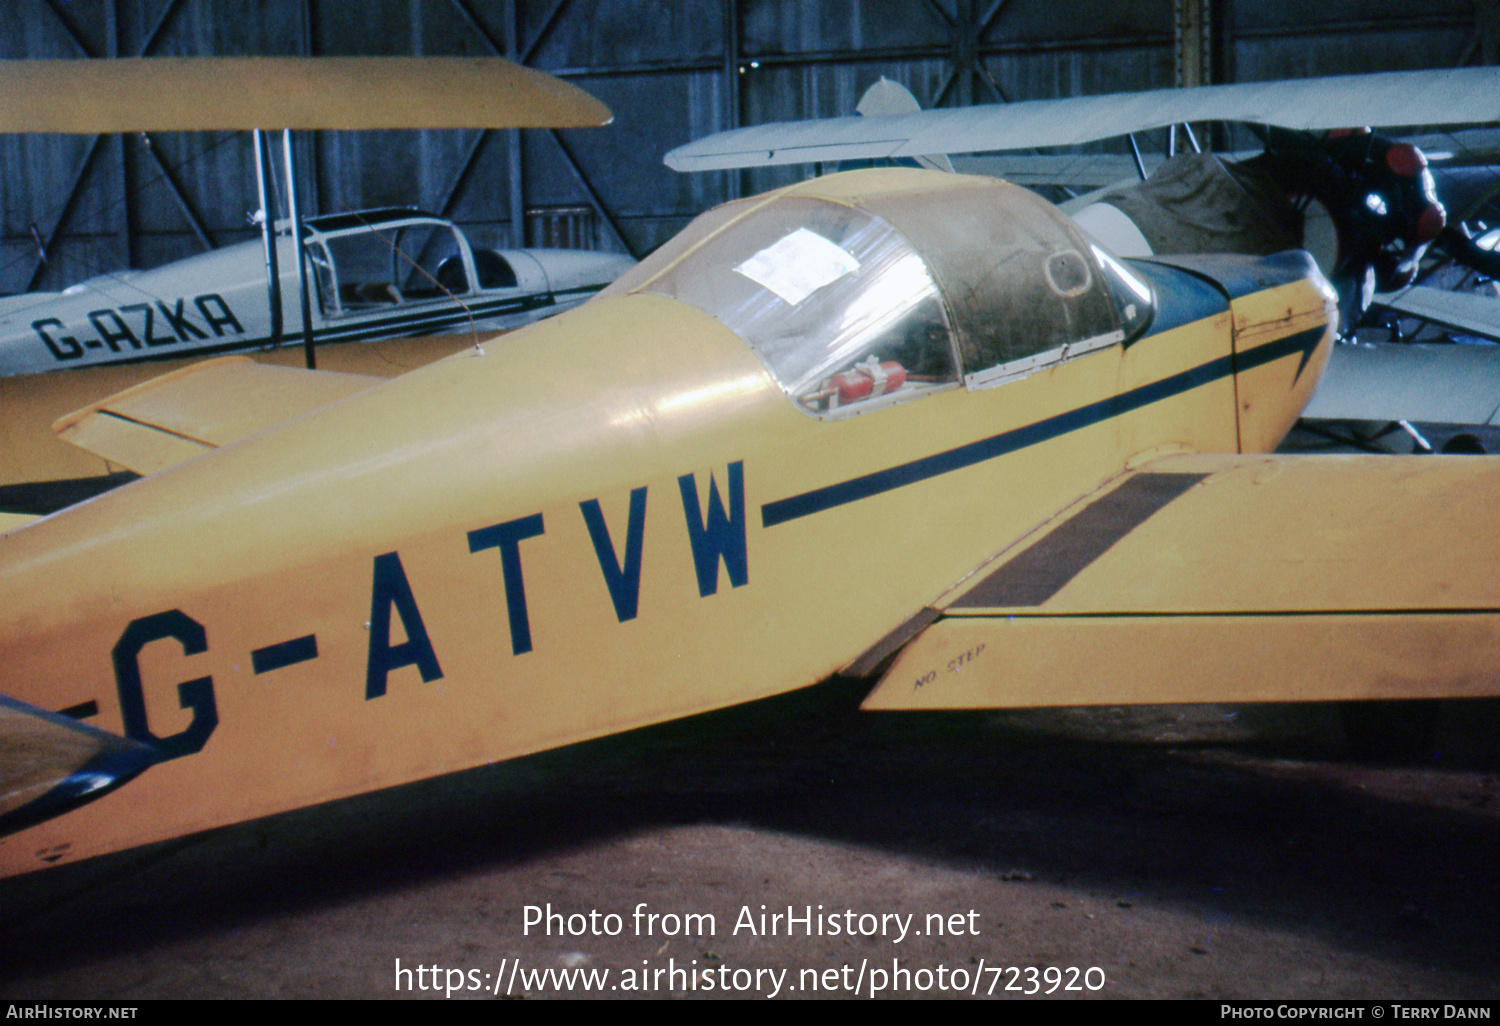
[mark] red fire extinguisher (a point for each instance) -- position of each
(867, 379)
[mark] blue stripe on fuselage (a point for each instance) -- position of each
(819, 499)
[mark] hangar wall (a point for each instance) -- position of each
(78, 206)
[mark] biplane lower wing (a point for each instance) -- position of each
(1230, 579)
(1434, 384)
(1466, 312)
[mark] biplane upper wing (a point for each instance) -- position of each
(1439, 97)
(238, 93)
(1230, 579)
(200, 407)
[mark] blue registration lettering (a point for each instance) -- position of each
(197, 695)
(507, 537)
(717, 536)
(624, 583)
(391, 590)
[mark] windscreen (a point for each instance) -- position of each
(836, 302)
(1022, 282)
(390, 265)
(883, 296)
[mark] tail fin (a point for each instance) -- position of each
(885, 98)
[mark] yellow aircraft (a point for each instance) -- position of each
(895, 423)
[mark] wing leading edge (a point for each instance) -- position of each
(1231, 579)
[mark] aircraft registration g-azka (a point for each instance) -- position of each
(371, 274)
(894, 423)
(357, 276)
(376, 274)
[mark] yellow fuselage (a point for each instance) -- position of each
(469, 563)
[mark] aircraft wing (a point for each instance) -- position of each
(1435, 384)
(1439, 97)
(50, 763)
(1230, 579)
(239, 93)
(1467, 312)
(203, 406)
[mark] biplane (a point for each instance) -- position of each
(354, 276)
(367, 274)
(1365, 205)
(375, 274)
(895, 423)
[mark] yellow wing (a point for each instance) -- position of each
(146, 94)
(1230, 579)
(203, 406)
(33, 403)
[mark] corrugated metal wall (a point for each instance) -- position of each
(671, 72)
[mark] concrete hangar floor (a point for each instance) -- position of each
(800, 848)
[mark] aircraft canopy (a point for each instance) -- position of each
(898, 291)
